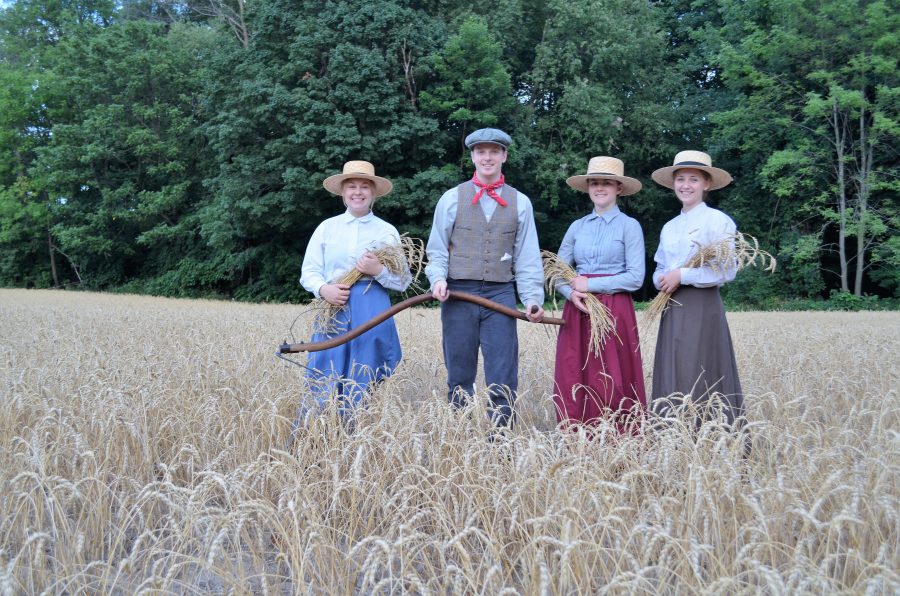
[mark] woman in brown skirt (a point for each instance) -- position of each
(694, 353)
(607, 249)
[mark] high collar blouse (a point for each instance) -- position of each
(682, 236)
(338, 242)
(611, 244)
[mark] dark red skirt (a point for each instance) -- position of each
(588, 388)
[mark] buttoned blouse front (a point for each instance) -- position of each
(610, 244)
(338, 242)
(682, 236)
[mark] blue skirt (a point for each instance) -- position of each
(350, 369)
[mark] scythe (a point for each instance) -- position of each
(316, 346)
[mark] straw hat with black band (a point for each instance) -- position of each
(358, 170)
(694, 160)
(606, 168)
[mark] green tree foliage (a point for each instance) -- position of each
(320, 84)
(124, 165)
(179, 146)
(28, 28)
(816, 124)
(474, 89)
(27, 253)
(30, 32)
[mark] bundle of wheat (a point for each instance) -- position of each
(558, 272)
(734, 251)
(407, 256)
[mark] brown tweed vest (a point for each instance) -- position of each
(477, 247)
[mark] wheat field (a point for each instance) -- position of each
(145, 450)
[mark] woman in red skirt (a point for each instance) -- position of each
(607, 250)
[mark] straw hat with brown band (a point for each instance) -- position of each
(606, 168)
(362, 170)
(695, 160)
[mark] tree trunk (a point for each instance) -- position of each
(842, 195)
(234, 18)
(865, 168)
(52, 249)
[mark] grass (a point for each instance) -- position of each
(144, 451)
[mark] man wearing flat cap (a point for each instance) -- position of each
(483, 239)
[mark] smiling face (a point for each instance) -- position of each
(690, 185)
(603, 193)
(358, 194)
(488, 159)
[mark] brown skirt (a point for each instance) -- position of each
(695, 356)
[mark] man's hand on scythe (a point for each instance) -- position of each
(439, 290)
(535, 313)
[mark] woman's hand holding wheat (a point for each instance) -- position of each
(369, 264)
(335, 294)
(577, 298)
(669, 282)
(579, 283)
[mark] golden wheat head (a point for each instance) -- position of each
(407, 256)
(557, 272)
(734, 251)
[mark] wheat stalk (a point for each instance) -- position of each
(734, 250)
(145, 456)
(558, 272)
(408, 255)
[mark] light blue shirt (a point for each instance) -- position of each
(336, 245)
(611, 244)
(527, 267)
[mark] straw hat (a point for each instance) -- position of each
(606, 168)
(696, 160)
(362, 170)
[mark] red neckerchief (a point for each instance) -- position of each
(491, 189)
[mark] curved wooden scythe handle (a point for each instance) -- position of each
(316, 346)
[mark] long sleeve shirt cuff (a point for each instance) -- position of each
(384, 278)
(529, 300)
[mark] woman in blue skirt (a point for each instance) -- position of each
(338, 245)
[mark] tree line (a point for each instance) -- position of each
(178, 147)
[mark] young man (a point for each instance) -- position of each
(482, 239)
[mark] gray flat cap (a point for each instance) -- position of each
(489, 135)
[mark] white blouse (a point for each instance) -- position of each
(682, 236)
(338, 242)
